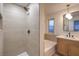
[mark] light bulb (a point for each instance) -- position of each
(68, 16)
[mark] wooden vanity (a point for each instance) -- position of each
(67, 46)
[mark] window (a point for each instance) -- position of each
(51, 25)
(76, 25)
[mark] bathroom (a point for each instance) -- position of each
(38, 29)
(60, 32)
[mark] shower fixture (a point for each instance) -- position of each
(27, 10)
(24, 7)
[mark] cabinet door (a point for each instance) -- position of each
(61, 46)
(74, 49)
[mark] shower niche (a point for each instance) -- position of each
(0, 21)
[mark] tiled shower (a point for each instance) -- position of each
(19, 29)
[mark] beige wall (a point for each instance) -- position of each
(32, 23)
(47, 18)
(14, 29)
(59, 21)
(42, 28)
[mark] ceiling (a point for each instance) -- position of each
(55, 7)
(51, 7)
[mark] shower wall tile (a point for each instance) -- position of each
(14, 29)
(33, 41)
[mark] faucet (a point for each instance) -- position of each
(69, 34)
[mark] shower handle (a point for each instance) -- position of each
(28, 31)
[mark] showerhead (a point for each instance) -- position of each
(26, 8)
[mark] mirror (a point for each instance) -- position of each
(73, 24)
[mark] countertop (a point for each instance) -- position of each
(68, 38)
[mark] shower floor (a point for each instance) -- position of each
(23, 54)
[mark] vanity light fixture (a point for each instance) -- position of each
(68, 15)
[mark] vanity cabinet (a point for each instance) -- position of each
(67, 47)
(61, 46)
(73, 48)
